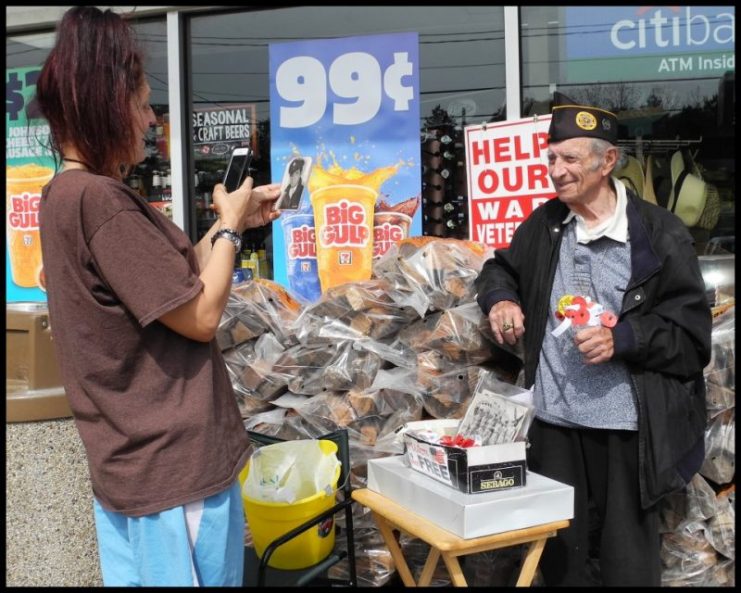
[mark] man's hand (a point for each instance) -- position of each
(595, 344)
(507, 322)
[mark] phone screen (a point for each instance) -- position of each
(238, 168)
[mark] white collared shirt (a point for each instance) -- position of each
(615, 227)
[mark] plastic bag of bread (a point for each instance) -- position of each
(687, 557)
(309, 369)
(400, 379)
(718, 399)
(277, 308)
(721, 370)
(329, 331)
(449, 394)
(440, 271)
(252, 375)
(238, 358)
(354, 310)
(383, 411)
(367, 414)
(248, 404)
(695, 502)
(239, 323)
(719, 464)
(281, 423)
(458, 334)
(721, 531)
(374, 565)
(331, 410)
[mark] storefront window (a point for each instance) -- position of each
(462, 80)
(27, 145)
(668, 73)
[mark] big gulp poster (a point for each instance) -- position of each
(345, 143)
(29, 165)
(508, 177)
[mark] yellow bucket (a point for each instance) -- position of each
(269, 520)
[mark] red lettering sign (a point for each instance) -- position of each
(302, 243)
(24, 212)
(384, 236)
(507, 176)
(346, 225)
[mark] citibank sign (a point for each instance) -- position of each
(676, 28)
(636, 31)
(612, 43)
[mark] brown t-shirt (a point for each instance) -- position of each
(155, 410)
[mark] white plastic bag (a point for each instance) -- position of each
(292, 470)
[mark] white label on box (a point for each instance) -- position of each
(429, 459)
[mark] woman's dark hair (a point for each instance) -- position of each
(86, 86)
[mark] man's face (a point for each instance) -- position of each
(575, 170)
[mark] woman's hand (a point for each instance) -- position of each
(264, 197)
(246, 207)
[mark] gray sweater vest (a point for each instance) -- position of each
(568, 392)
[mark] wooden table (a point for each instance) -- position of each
(389, 515)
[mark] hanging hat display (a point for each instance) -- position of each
(571, 120)
(689, 192)
(631, 174)
(648, 182)
(658, 180)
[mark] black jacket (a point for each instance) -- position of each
(663, 330)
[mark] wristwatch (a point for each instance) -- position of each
(230, 234)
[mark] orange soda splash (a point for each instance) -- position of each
(336, 175)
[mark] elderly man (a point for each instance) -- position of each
(605, 291)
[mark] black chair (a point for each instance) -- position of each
(316, 574)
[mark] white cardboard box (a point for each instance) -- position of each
(468, 516)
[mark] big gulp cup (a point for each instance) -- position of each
(301, 268)
(389, 228)
(343, 215)
(23, 186)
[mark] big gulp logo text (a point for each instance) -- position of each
(24, 212)
(384, 236)
(302, 243)
(346, 225)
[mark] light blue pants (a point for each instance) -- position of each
(197, 544)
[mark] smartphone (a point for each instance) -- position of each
(238, 169)
(297, 171)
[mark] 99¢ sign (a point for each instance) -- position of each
(350, 107)
(352, 87)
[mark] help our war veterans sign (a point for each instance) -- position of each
(507, 176)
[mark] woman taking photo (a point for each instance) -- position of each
(134, 308)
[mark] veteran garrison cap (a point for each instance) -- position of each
(571, 120)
